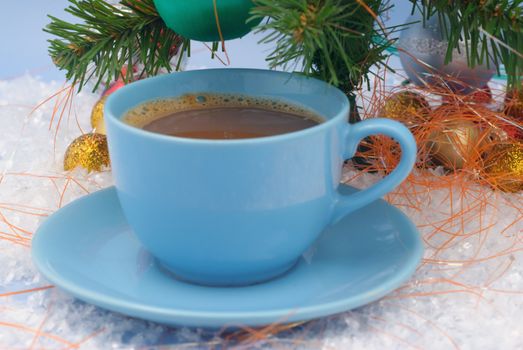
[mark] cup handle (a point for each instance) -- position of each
(354, 133)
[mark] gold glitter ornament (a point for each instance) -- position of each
(97, 116)
(88, 151)
(456, 143)
(504, 167)
(407, 107)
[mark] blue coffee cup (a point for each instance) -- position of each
(238, 212)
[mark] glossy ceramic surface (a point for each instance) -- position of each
(233, 212)
(88, 249)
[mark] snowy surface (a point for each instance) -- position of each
(467, 294)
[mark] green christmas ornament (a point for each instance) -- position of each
(198, 19)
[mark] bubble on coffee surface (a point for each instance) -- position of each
(151, 110)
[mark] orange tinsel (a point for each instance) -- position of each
(459, 136)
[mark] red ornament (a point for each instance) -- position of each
(483, 95)
(113, 87)
(118, 83)
(513, 131)
(513, 109)
(479, 96)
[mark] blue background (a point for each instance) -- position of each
(24, 47)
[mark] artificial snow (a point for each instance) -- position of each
(468, 295)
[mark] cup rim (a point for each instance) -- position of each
(120, 93)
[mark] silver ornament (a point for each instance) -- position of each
(422, 49)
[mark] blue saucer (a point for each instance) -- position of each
(88, 249)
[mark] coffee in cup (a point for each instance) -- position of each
(220, 117)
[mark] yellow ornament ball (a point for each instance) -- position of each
(504, 167)
(88, 151)
(407, 107)
(97, 116)
(455, 143)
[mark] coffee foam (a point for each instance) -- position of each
(151, 110)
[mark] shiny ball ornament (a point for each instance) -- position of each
(504, 167)
(455, 143)
(483, 96)
(512, 131)
(196, 19)
(97, 116)
(422, 50)
(113, 87)
(88, 151)
(407, 107)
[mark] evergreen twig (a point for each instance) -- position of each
(333, 40)
(110, 38)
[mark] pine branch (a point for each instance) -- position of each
(330, 39)
(480, 24)
(110, 38)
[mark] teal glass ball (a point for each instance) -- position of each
(196, 19)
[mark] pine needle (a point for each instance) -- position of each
(108, 38)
